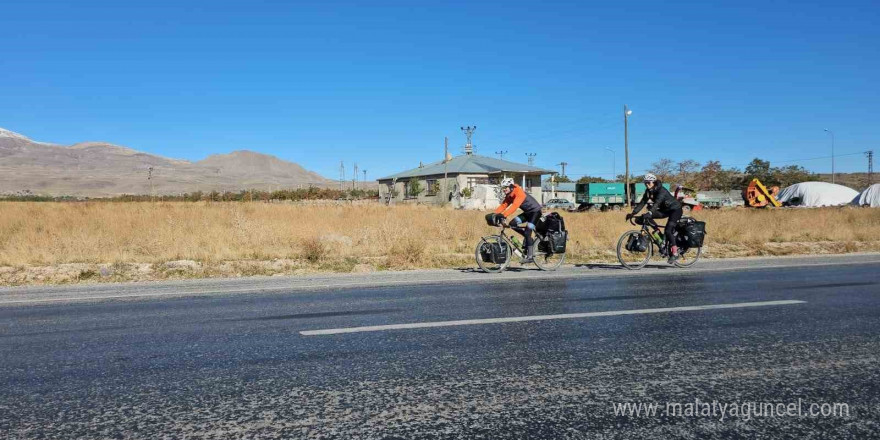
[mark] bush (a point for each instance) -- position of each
(313, 249)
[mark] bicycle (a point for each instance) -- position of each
(651, 235)
(494, 252)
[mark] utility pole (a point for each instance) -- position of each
(365, 178)
(469, 131)
(531, 157)
(626, 113)
(341, 176)
(870, 155)
(501, 154)
(445, 168)
(563, 165)
(150, 178)
(354, 178)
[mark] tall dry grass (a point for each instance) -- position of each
(41, 234)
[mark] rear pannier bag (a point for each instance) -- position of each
(691, 232)
(550, 222)
(637, 243)
(557, 240)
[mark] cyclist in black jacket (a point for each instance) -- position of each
(665, 205)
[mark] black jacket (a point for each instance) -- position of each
(664, 201)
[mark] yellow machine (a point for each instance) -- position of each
(757, 195)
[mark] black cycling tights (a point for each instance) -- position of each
(674, 217)
(524, 223)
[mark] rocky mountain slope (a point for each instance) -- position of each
(98, 169)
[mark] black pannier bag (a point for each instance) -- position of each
(637, 243)
(490, 219)
(544, 246)
(549, 223)
(557, 241)
(691, 232)
(494, 253)
(552, 227)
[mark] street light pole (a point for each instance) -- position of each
(626, 113)
(613, 164)
(832, 154)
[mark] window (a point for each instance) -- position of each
(473, 181)
(432, 187)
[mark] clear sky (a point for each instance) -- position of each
(381, 83)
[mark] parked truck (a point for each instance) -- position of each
(604, 196)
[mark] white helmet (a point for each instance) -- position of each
(506, 182)
(650, 178)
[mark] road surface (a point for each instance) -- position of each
(452, 354)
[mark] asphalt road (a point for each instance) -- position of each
(256, 359)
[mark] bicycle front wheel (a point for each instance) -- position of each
(630, 259)
(688, 257)
(492, 254)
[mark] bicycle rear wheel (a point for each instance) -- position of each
(548, 260)
(688, 257)
(630, 259)
(492, 265)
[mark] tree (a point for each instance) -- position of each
(760, 169)
(728, 180)
(562, 179)
(663, 169)
(415, 188)
(687, 170)
(792, 174)
(707, 177)
(591, 179)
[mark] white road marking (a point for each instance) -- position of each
(414, 325)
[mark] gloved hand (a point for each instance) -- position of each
(649, 214)
(499, 219)
(629, 217)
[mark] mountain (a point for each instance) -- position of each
(99, 169)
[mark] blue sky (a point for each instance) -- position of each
(382, 83)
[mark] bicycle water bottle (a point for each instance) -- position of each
(657, 237)
(516, 242)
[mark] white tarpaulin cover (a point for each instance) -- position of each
(814, 194)
(869, 197)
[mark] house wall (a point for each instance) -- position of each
(454, 186)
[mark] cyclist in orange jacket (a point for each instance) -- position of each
(516, 198)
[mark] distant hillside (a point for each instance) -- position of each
(97, 169)
(856, 181)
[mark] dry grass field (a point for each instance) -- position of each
(101, 241)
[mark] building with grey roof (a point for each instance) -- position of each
(457, 177)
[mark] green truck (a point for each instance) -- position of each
(603, 196)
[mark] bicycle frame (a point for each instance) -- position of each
(651, 226)
(511, 243)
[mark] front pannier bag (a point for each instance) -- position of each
(637, 243)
